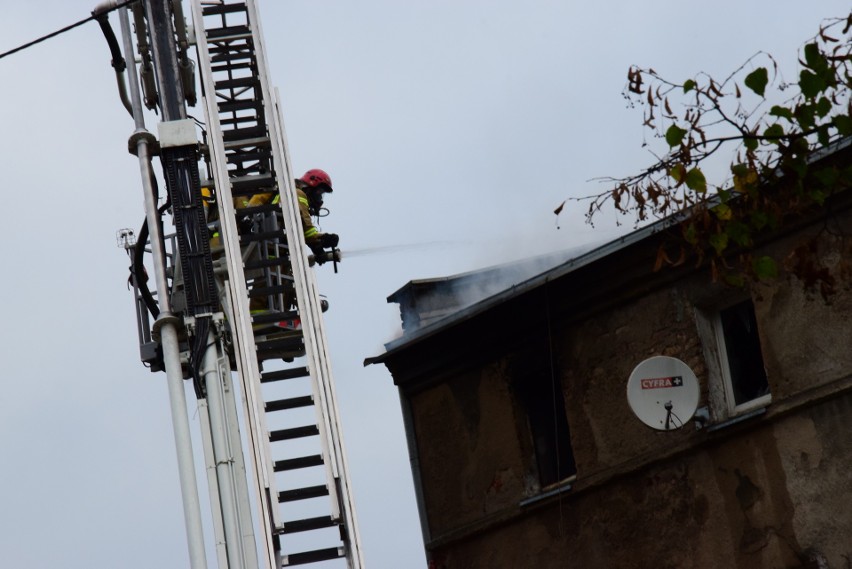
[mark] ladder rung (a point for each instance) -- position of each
(228, 120)
(229, 33)
(223, 9)
(262, 236)
(250, 163)
(291, 403)
(255, 164)
(284, 374)
(267, 207)
(250, 166)
(275, 316)
(225, 50)
(251, 142)
(236, 157)
(236, 83)
(241, 134)
(252, 183)
(294, 433)
(230, 60)
(226, 60)
(307, 524)
(236, 61)
(239, 105)
(313, 556)
(297, 463)
(232, 122)
(237, 36)
(266, 263)
(294, 343)
(305, 493)
(259, 291)
(248, 155)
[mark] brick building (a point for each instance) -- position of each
(525, 452)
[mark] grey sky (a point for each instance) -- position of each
(454, 125)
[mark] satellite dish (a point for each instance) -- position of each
(663, 393)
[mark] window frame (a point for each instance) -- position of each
(720, 389)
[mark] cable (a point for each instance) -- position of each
(139, 269)
(554, 393)
(199, 349)
(65, 29)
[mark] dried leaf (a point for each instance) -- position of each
(715, 89)
(634, 80)
(558, 210)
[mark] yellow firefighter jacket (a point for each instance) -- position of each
(312, 234)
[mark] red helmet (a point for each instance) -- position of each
(316, 177)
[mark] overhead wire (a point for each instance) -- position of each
(65, 29)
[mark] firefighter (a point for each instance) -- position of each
(309, 190)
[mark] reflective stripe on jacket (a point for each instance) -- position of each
(312, 234)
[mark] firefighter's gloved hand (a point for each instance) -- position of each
(320, 258)
(329, 240)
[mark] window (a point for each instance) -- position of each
(746, 374)
(539, 392)
(738, 382)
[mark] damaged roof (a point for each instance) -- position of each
(455, 315)
(460, 315)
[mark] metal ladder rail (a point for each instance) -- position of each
(233, 92)
(309, 299)
(240, 318)
(301, 525)
(309, 304)
(317, 347)
(302, 491)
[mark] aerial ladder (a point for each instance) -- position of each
(219, 263)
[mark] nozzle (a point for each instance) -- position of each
(332, 255)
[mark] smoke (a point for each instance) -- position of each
(428, 300)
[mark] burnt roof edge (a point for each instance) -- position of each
(534, 282)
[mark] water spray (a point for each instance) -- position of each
(336, 255)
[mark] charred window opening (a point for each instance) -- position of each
(747, 375)
(539, 393)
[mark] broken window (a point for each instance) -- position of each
(746, 381)
(539, 392)
(737, 376)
